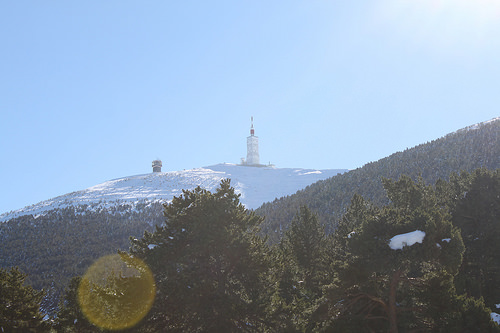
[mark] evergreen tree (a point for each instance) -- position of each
(70, 317)
(304, 245)
(209, 264)
(476, 211)
(357, 212)
(303, 262)
(19, 304)
(393, 289)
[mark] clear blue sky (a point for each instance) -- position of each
(95, 90)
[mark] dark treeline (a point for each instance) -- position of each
(215, 272)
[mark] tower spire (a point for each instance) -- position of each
(252, 148)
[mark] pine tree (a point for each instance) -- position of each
(70, 317)
(304, 269)
(209, 264)
(476, 212)
(357, 212)
(19, 304)
(391, 289)
(304, 245)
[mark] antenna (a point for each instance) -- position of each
(252, 132)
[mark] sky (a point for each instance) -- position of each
(95, 90)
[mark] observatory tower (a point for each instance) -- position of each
(252, 148)
(157, 166)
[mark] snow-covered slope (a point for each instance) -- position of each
(256, 185)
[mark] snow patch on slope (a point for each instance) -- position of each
(478, 125)
(256, 186)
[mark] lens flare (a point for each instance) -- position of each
(116, 292)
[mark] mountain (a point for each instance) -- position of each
(476, 146)
(59, 238)
(255, 184)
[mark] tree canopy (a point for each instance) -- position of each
(209, 264)
(425, 262)
(19, 304)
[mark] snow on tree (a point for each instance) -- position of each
(408, 239)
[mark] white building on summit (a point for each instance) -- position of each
(252, 148)
(253, 158)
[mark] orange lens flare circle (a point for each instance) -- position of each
(117, 291)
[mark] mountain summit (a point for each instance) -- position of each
(256, 186)
(255, 182)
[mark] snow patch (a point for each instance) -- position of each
(495, 317)
(399, 241)
(478, 125)
(256, 186)
(316, 172)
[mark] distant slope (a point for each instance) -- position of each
(466, 149)
(259, 185)
(255, 184)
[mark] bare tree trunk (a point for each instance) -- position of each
(393, 320)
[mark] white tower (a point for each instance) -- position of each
(252, 148)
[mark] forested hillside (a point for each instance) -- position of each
(426, 262)
(62, 244)
(465, 150)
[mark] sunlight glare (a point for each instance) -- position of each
(116, 292)
(442, 25)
